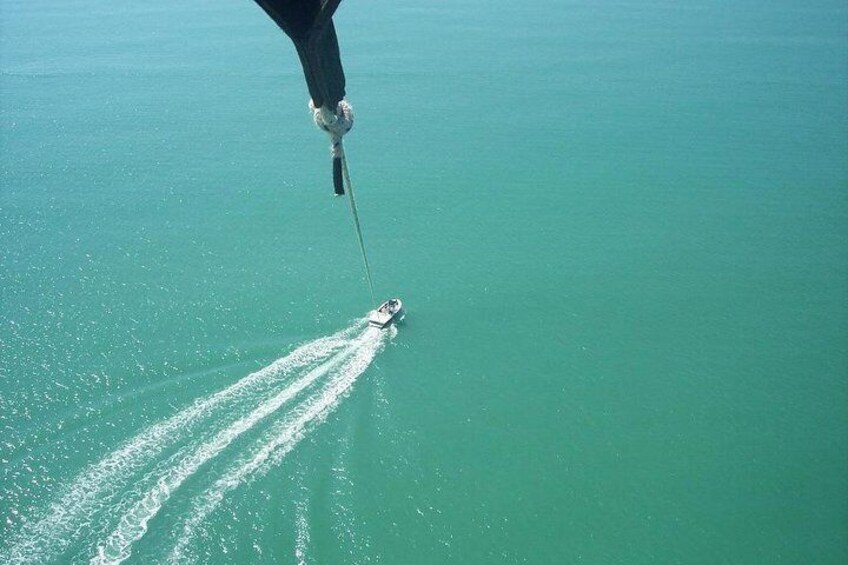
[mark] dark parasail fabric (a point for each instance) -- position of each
(309, 24)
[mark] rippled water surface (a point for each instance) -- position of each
(619, 229)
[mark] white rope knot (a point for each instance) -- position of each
(336, 124)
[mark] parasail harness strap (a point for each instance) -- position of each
(336, 124)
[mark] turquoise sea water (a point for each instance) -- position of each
(620, 229)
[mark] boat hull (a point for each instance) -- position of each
(389, 312)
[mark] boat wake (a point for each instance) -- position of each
(108, 506)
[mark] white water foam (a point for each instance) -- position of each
(302, 540)
(344, 524)
(352, 359)
(280, 440)
(67, 518)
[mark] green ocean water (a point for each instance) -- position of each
(620, 230)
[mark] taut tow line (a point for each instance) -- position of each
(352, 200)
(336, 124)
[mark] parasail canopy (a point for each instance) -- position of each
(309, 24)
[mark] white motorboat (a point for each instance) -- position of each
(389, 311)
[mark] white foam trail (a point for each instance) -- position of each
(344, 523)
(133, 525)
(66, 518)
(282, 438)
(302, 525)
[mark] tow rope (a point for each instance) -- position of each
(358, 228)
(337, 124)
